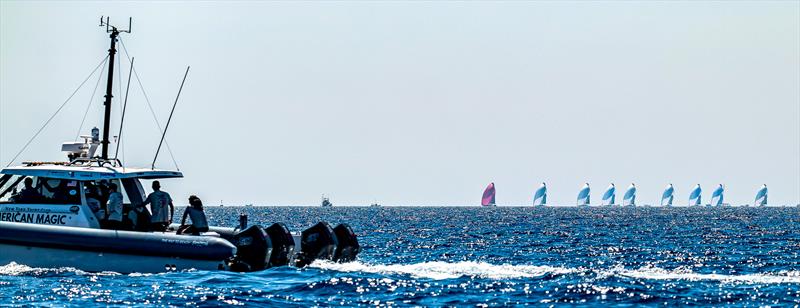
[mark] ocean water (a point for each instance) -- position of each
(468, 256)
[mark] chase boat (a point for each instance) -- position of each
(54, 224)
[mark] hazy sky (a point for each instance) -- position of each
(425, 103)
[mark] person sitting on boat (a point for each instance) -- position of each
(93, 200)
(28, 194)
(114, 219)
(195, 212)
(159, 201)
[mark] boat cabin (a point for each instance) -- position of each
(70, 194)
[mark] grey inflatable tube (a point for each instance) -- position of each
(122, 242)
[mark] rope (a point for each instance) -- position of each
(55, 113)
(149, 105)
(91, 98)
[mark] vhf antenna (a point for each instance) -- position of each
(110, 28)
(107, 104)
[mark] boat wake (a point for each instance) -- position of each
(654, 273)
(15, 269)
(445, 270)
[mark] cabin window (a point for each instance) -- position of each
(59, 191)
(45, 190)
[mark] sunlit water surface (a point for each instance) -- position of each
(435, 256)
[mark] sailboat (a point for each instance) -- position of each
(488, 196)
(717, 196)
(667, 196)
(695, 197)
(610, 196)
(540, 196)
(583, 195)
(629, 199)
(761, 196)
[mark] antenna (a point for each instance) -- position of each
(107, 103)
(110, 28)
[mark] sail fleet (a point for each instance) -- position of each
(695, 197)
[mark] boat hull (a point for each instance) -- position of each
(110, 250)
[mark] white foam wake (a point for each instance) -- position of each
(654, 273)
(16, 269)
(443, 270)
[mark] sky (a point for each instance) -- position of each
(422, 103)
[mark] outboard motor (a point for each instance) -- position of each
(317, 242)
(348, 248)
(282, 245)
(253, 249)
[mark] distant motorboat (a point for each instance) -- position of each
(326, 202)
(761, 196)
(629, 199)
(610, 196)
(583, 195)
(375, 205)
(695, 197)
(488, 198)
(667, 196)
(718, 195)
(540, 196)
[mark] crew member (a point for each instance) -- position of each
(195, 212)
(161, 208)
(114, 220)
(29, 194)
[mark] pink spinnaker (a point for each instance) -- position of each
(488, 196)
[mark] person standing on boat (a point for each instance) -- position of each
(195, 212)
(28, 194)
(161, 216)
(114, 220)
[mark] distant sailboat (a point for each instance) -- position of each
(630, 196)
(540, 196)
(610, 196)
(717, 196)
(666, 197)
(583, 195)
(761, 196)
(695, 197)
(488, 196)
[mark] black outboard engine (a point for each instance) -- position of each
(348, 247)
(317, 242)
(282, 245)
(253, 249)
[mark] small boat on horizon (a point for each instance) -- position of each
(488, 198)
(668, 195)
(695, 197)
(610, 196)
(540, 196)
(717, 196)
(629, 199)
(326, 202)
(761, 196)
(583, 195)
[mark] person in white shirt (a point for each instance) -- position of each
(161, 208)
(114, 219)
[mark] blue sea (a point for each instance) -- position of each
(472, 256)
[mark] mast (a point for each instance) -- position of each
(109, 85)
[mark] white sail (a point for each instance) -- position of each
(583, 195)
(695, 197)
(761, 196)
(540, 196)
(667, 196)
(717, 197)
(630, 196)
(610, 196)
